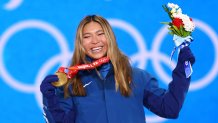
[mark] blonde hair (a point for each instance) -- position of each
(120, 62)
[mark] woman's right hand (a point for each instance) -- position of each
(46, 87)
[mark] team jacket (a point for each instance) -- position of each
(103, 104)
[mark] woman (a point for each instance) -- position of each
(113, 92)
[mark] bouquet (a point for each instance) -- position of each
(181, 27)
(181, 24)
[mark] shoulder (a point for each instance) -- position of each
(142, 77)
(138, 72)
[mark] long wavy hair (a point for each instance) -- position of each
(121, 65)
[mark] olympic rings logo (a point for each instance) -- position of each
(141, 56)
(12, 4)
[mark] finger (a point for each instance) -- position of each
(185, 49)
(51, 78)
(46, 88)
(192, 59)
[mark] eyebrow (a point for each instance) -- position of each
(95, 32)
(99, 31)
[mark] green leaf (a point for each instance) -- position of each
(181, 30)
(167, 10)
(170, 28)
(186, 33)
(167, 23)
(171, 33)
(177, 30)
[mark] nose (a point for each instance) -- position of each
(95, 39)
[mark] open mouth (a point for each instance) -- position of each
(96, 49)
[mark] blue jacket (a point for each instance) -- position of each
(103, 104)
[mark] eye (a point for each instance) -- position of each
(86, 36)
(101, 33)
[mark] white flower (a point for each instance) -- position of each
(188, 25)
(179, 10)
(172, 5)
(173, 10)
(177, 15)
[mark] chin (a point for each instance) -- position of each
(97, 56)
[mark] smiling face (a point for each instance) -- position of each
(94, 40)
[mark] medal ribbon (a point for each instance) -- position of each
(72, 71)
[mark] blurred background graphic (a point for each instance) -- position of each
(37, 37)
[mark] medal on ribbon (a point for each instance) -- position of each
(65, 73)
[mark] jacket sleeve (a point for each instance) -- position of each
(57, 109)
(167, 103)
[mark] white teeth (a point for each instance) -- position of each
(96, 49)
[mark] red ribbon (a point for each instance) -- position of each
(72, 71)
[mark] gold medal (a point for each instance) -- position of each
(62, 79)
(72, 71)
